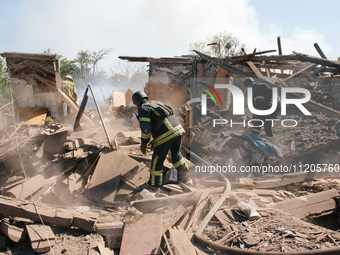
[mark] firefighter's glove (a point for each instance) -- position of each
(143, 148)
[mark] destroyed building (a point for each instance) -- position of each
(76, 192)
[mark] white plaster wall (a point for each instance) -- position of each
(22, 93)
(24, 97)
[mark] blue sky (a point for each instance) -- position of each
(165, 28)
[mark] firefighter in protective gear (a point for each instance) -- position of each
(262, 100)
(157, 120)
(69, 88)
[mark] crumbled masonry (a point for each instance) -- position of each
(71, 191)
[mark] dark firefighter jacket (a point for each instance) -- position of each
(161, 128)
(262, 97)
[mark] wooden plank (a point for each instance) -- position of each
(41, 236)
(158, 60)
(279, 45)
(267, 69)
(290, 178)
(304, 70)
(14, 233)
(255, 70)
(225, 65)
(112, 232)
(136, 176)
(30, 186)
(245, 56)
(296, 56)
(128, 97)
(142, 235)
(32, 116)
(66, 99)
(318, 49)
(213, 210)
(167, 245)
(84, 222)
(222, 218)
(111, 167)
(118, 98)
(321, 203)
(170, 219)
(180, 242)
(197, 210)
(213, 199)
(150, 205)
(104, 250)
(50, 215)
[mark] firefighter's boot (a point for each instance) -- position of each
(183, 173)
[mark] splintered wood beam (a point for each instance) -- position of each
(316, 204)
(245, 56)
(306, 69)
(158, 60)
(267, 69)
(297, 56)
(318, 49)
(255, 70)
(67, 100)
(41, 236)
(279, 45)
(225, 65)
(51, 215)
(217, 206)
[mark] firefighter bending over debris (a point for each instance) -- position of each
(262, 100)
(157, 119)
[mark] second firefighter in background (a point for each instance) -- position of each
(262, 100)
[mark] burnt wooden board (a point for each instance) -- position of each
(111, 166)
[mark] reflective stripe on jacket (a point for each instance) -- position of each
(162, 129)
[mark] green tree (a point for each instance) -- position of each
(129, 75)
(66, 66)
(339, 59)
(5, 92)
(86, 63)
(219, 45)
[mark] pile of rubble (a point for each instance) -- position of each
(67, 191)
(87, 196)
